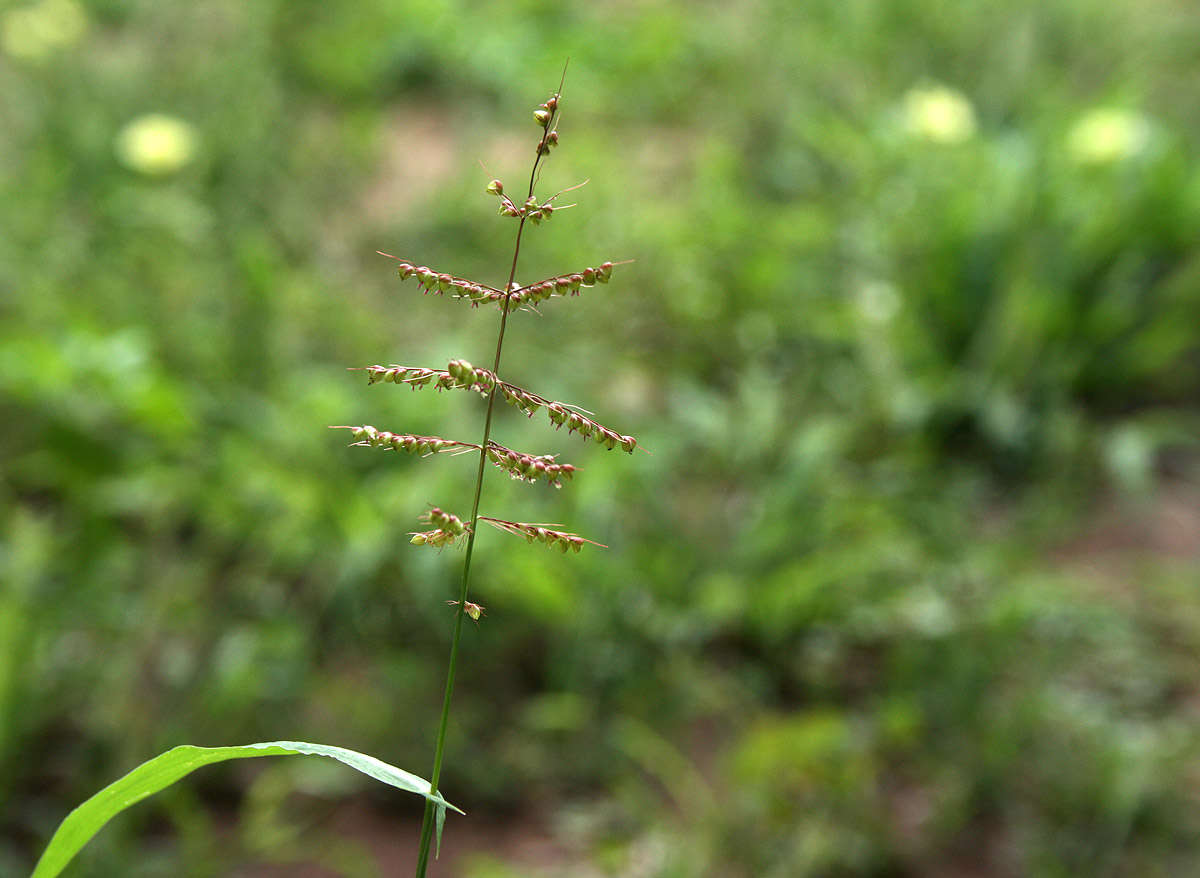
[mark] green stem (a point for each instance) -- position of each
(429, 820)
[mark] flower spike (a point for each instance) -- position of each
(529, 295)
(535, 533)
(521, 466)
(460, 374)
(370, 437)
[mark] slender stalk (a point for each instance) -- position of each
(428, 822)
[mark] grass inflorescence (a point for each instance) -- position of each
(448, 529)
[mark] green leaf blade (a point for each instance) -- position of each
(165, 769)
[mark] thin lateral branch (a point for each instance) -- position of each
(570, 283)
(533, 294)
(478, 294)
(441, 379)
(555, 539)
(439, 282)
(369, 437)
(450, 529)
(569, 189)
(531, 210)
(518, 464)
(461, 375)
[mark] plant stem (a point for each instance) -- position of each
(428, 822)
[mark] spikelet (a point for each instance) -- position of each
(530, 295)
(471, 609)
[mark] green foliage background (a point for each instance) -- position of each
(909, 583)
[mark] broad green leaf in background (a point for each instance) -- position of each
(162, 771)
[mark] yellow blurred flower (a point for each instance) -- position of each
(1107, 135)
(156, 144)
(34, 32)
(939, 114)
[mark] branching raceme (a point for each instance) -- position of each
(447, 529)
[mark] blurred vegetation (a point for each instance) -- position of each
(909, 583)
